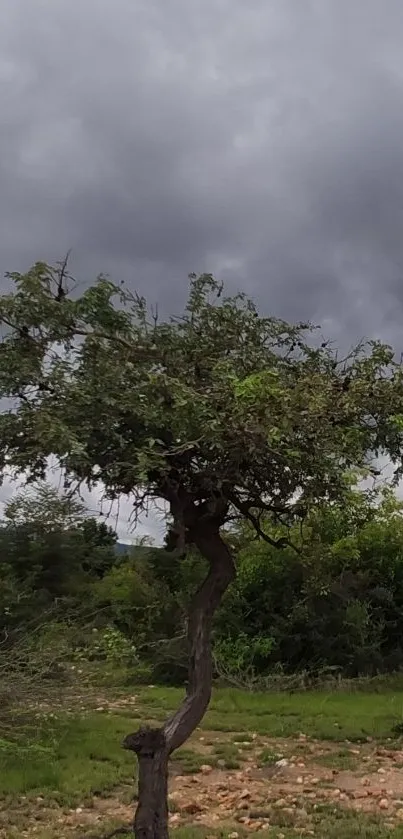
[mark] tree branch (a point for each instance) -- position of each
(61, 277)
(244, 510)
(140, 354)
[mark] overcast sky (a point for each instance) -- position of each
(260, 140)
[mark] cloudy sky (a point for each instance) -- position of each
(262, 141)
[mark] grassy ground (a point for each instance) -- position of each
(68, 758)
(329, 716)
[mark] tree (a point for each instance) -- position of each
(44, 509)
(336, 604)
(50, 554)
(221, 412)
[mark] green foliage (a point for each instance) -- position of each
(45, 509)
(336, 605)
(333, 607)
(51, 555)
(242, 654)
(107, 645)
(235, 410)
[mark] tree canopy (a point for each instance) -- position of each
(221, 411)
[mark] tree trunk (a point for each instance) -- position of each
(153, 746)
(151, 819)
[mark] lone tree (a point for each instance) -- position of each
(223, 413)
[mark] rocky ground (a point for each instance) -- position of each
(294, 785)
(279, 784)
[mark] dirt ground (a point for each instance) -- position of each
(280, 782)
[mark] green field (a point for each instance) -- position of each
(63, 761)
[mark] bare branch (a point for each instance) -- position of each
(246, 511)
(61, 277)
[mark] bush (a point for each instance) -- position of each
(109, 645)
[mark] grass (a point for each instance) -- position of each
(189, 761)
(344, 826)
(224, 755)
(335, 825)
(341, 759)
(73, 757)
(268, 757)
(326, 716)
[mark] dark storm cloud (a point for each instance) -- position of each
(261, 140)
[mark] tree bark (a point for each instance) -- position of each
(151, 819)
(154, 746)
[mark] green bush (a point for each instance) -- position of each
(108, 644)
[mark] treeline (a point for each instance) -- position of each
(331, 603)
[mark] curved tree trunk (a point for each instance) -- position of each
(154, 746)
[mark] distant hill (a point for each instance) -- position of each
(121, 548)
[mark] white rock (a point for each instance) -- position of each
(175, 818)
